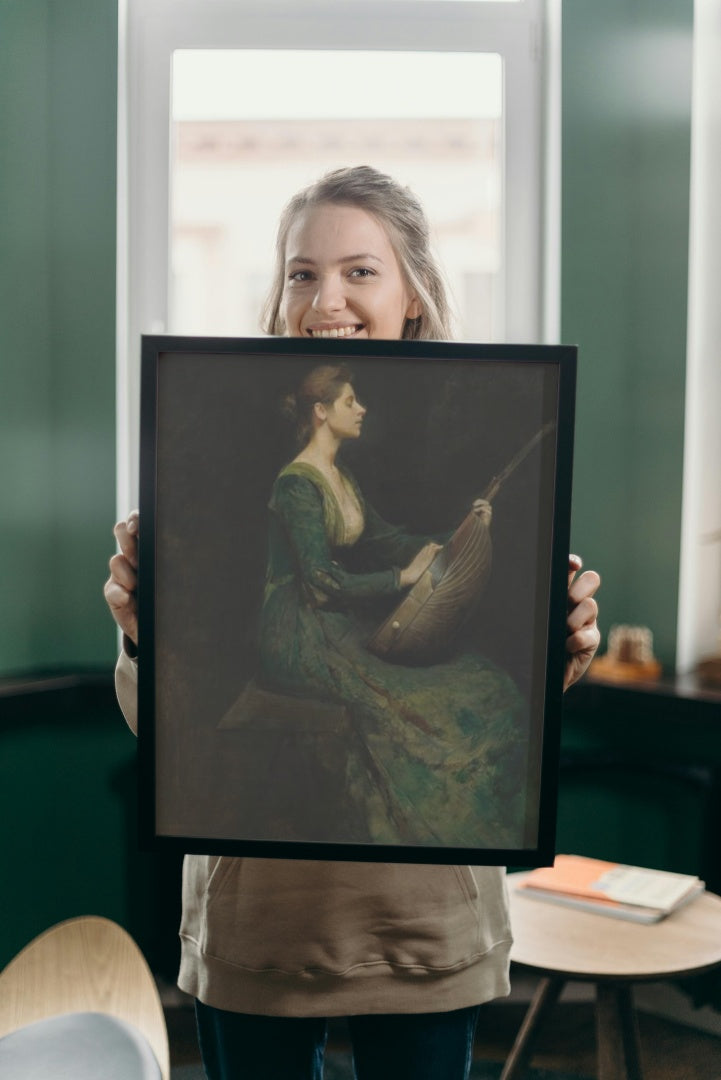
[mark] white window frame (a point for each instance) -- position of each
(699, 597)
(526, 34)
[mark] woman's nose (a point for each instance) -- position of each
(329, 295)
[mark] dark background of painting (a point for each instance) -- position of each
(435, 433)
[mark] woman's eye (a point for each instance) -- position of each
(362, 272)
(299, 276)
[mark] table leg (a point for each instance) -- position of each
(545, 997)
(617, 1033)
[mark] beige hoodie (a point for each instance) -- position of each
(285, 937)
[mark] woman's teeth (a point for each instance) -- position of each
(337, 331)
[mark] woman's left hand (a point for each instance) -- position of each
(582, 634)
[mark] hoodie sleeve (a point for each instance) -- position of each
(126, 688)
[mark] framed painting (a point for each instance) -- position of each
(352, 597)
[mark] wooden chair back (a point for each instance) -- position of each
(87, 964)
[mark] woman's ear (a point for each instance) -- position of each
(319, 411)
(415, 309)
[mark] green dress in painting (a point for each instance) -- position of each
(437, 754)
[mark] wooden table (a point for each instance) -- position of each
(563, 944)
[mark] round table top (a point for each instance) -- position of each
(559, 940)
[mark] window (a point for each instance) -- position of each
(235, 161)
(227, 107)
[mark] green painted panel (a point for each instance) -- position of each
(82, 303)
(626, 160)
(57, 324)
(26, 489)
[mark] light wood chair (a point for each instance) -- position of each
(84, 965)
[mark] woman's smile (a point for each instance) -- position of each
(334, 331)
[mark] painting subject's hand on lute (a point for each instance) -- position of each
(483, 509)
(411, 573)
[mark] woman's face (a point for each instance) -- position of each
(345, 416)
(342, 277)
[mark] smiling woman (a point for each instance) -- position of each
(353, 259)
(271, 946)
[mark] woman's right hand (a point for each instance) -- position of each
(122, 585)
(417, 565)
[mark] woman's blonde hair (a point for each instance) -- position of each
(403, 217)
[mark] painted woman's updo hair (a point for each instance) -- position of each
(402, 216)
(324, 385)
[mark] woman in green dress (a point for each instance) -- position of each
(435, 755)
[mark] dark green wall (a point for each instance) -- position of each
(641, 778)
(58, 75)
(626, 145)
(68, 804)
(67, 770)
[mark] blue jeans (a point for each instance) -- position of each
(414, 1046)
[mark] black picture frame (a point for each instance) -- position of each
(451, 759)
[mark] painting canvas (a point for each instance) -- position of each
(299, 695)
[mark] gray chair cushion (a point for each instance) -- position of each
(78, 1046)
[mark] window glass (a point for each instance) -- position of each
(251, 127)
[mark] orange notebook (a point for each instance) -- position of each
(632, 892)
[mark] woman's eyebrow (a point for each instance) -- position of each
(362, 256)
